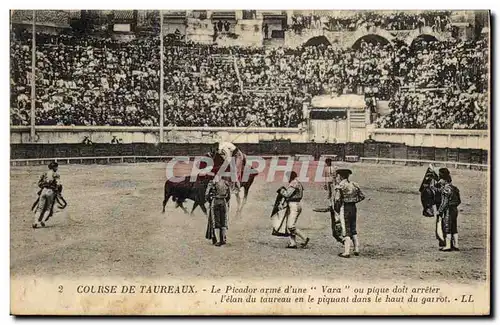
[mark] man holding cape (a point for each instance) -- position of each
(440, 199)
(286, 212)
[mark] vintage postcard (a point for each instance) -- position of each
(250, 162)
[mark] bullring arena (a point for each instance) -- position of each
(112, 95)
(113, 225)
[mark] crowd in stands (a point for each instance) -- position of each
(439, 21)
(100, 81)
(454, 78)
(51, 17)
(204, 90)
(317, 70)
(233, 109)
(436, 110)
(199, 68)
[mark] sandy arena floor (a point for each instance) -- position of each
(113, 226)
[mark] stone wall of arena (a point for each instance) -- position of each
(347, 39)
(103, 134)
(468, 139)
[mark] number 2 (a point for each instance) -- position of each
(60, 289)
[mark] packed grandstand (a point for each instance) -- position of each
(88, 80)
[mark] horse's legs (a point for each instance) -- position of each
(165, 200)
(202, 206)
(194, 207)
(238, 202)
(245, 196)
(182, 207)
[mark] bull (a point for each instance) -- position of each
(195, 191)
(186, 189)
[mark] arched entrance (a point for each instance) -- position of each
(370, 38)
(426, 33)
(423, 38)
(318, 40)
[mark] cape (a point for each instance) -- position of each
(279, 216)
(428, 196)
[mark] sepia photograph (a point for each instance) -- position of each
(250, 162)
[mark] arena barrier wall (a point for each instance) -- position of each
(474, 139)
(392, 153)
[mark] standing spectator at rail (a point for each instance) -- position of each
(266, 31)
(87, 141)
(329, 174)
(215, 32)
(369, 140)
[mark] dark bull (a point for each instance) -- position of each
(185, 189)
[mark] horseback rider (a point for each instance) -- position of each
(50, 185)
(229, 151)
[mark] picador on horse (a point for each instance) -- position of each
(229, 155)
(235, 158)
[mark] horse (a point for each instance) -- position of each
(246, 188)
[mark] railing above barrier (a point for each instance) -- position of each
(406, 162)
(472, 139)
(451, 132)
